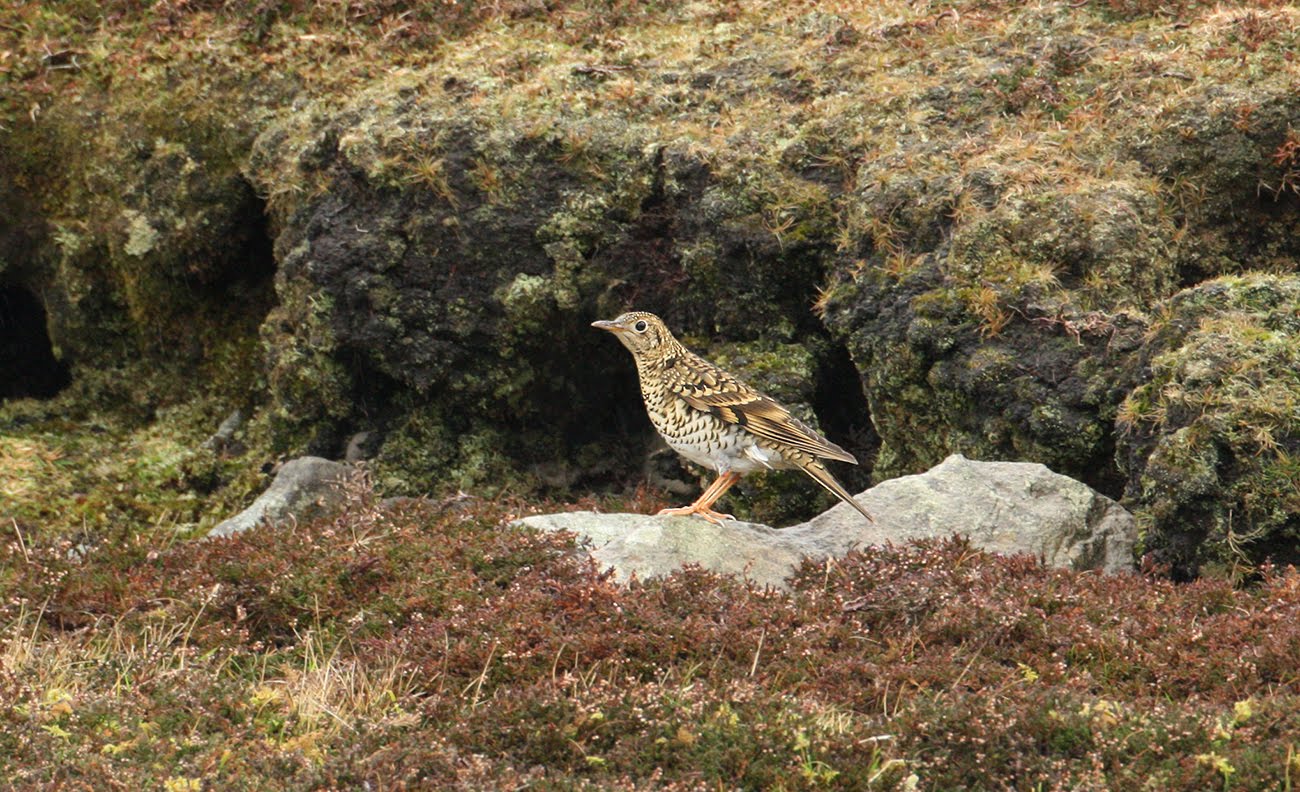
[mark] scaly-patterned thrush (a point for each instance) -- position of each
(715, 420)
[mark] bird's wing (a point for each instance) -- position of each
(709, 389)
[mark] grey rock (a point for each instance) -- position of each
(649, 547)
(225, 432)
(557, 474)
(301, 489)
(664, 469)
(361, 446)
(1004, 507)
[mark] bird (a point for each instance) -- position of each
(714, 419)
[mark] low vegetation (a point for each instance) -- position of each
(429, 644)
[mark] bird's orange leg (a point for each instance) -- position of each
(703, 505)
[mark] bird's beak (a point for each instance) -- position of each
(611, 326)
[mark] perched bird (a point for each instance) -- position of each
(715, 420)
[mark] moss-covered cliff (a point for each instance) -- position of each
(934, 227)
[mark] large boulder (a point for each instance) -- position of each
(1003, 507)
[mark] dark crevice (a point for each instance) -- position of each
(258, 273)
(1262, 227)
(230, 310)
(28, 365)
(204, 323)
(246, 280)
(841, 407)
(377, 403)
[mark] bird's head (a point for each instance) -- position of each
(643, 333)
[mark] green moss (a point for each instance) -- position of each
(311, 389)
(1182, 465)
(79, 471)
(1214, 431)
(429, 451)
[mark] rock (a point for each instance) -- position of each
(664, 469)
(940, 380)
(302, 488)
(1210, 434)
(419, 253)
(1004, 507)
(221, 439)
(394, 285)
(361, 446)
(648, 547)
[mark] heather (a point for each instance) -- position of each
(427, 644)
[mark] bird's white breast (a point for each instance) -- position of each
(706, 439)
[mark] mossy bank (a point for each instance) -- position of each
(974, 227)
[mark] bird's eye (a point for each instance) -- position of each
(639, 326)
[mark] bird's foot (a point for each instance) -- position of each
(712, 516)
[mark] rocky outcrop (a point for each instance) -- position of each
(441, 252)
(446, 277)
(1003, 507)
(931, 233)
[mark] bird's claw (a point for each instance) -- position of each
(712, 516)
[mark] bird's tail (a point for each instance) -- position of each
(823, 477)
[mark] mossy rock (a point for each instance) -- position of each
(1229, 155)
(143, 236)
(993, 201)
(1210, 439)
(449, 263)
(1040, 386)
(1107, 242)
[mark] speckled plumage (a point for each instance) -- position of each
(713, 419)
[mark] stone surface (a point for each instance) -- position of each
(1004, 507)
(301, 488)
(225, 434)
(647, 546)
(361, 446)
